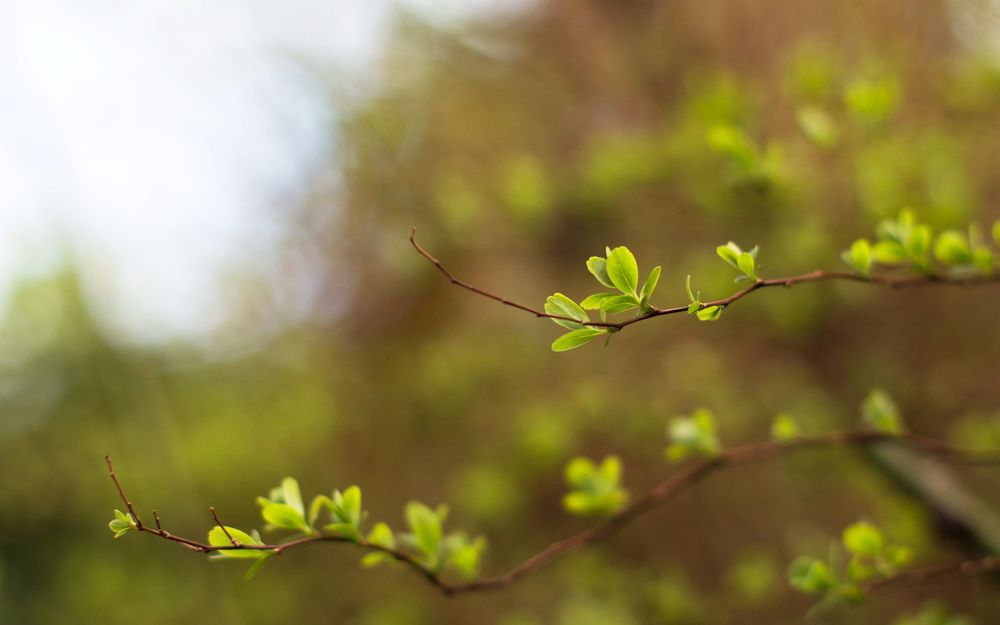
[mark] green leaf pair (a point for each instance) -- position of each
(595, 490)
(692, 436)
(122, 523)
(746, 262)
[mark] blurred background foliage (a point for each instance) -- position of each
(518, 148)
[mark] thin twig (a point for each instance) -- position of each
(686, 477)
(894, 282)
(128, 504)
(915, 577)
(225, 530)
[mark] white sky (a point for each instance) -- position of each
(154, 140)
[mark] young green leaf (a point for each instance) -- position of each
(347, 506)
(316, 507)
(882, 413)
(256, 566)
(292, 496)
(709, 313)
(619, 303)
(817, 125)
(859, 257)
(218, 538)
(889, 252)
(595, 490)
(284, 516)
(730, 253)
(919, 243)
(694, 435)
(746, 263)
(784, 428)
(952, 248)
(623, 270)
(996, 232)
(863, 539)
(599, 268)
(650, 285)
(579, 472)
(343, 530)
(982, 259)
(734, 143)
(374, 559)
(691, 296)
(463, 554)
(611, 469)
(426, 527)
(593, 302)
(897, 556)
(576, 338)
(559, 304)
(812, 576)
(381, 536)
(121, 524)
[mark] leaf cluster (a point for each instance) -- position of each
(340, 516)
(595, 490)
(869, 557)
(617, 270)
(692, 436)
(905, 242)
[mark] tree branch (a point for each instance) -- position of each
(894, 282)
(916, 577)
(686, 477)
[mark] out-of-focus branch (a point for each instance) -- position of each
(928, 575)
(686, 477)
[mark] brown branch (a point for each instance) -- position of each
(225, 530)
(121, 492)
(686, 477)
(693, 473)
(916, 577)
(278, 548)
(468, 287)
(895, 282)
